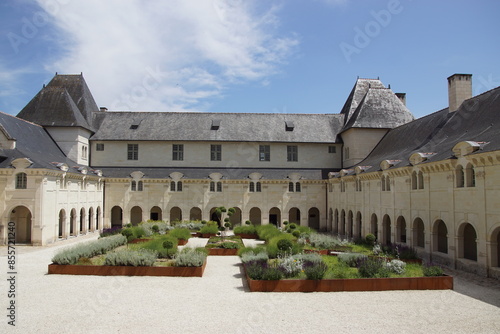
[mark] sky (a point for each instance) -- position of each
(259, 56)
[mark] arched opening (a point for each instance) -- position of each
(440, 232)
(495, 248)
(418, 233)
(420, 180)
(195, 213)
(255, 216)
(72, 223)
(342, 231)
(414, 181)
(155, 213)
(98, 223)
(136, 215)
(21, 217)
(401, 229)
(294, 216)
(175, 214)
(374, 226)
(470, 175)
(214, 217)
(82, 220)
(359, 225)
(116, 216)
(386, 230)
(91, 227)
(350, 226)
(235, 219)
(313, 220)
(62, 223)
(329, 227)
(467, 242)
(275, 216)
(459, 172)
(336, 222)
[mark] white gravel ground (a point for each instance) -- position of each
(220, 302)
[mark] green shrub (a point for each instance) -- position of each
(209, 229)
(88, 250)
(285, 245)
(432, 270)
(254, 250)
(251, 256)
(155, 228)
(266, 232)
(229, 245)
(203, 222)
(247, 229)
(272, 274)
(370, 239)
(292, 226)
(127, 232)
(296, 233)
(323, 241)
(274, 251)
(255, 270)
(248, 222)
(372, 267)
(167, 244)
(180, 233)
(341, 270)
(351, 259)
(315, 270)
(227, 224)
(127, 257)
(190, 257)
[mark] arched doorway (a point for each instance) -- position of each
(336, 222)
(214, 217)
(155, 213)
(374, 226)
(275, 216)
(342, 230)
(136, 215)
(91, 227)
(175, 214)
(467, 242)
(21, 217)
(62, 224)
(98, 219)
(418, 233)
(116, 216)
(401, 229)
(255, 216)
(195, 213)
(235, 219)
(314, 218)
(440, 232)
(329, 227)
(72, 223)
(350, 224)
(386, 230)
(294, 215)
(359, 225)
(82, 220)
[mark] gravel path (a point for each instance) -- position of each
(219, 302)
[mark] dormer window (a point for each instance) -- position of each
(289, 126)
(215, 124)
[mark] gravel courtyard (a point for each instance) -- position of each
(220, 302)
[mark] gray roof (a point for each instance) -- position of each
(193, 126)
(65, 101)
(32, 142)
(371, 105)
(203, 173)
(477, 119)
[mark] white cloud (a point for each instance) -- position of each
(166, 55)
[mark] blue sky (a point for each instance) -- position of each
(294, 56)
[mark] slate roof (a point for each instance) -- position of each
(477, 119)
(65, 101)
(241, 127)
(371, 105)
(203, 173)
(32, 142)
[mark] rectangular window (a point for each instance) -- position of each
(178, 152)
(133, 152)
(332, 149)
(264, 153)
(99, 147)
(292, 153)
(215, 152)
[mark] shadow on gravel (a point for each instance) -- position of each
(481, 288)
(244, 284)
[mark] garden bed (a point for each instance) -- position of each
(222, 251)
(126, 270)
(352, 284)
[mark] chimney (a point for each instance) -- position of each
(459, 90)
(402, 97)
(103, 109)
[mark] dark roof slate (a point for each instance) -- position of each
(193, 126)
(65, 101)
(203, 173)
(32, 142)
(477, 119)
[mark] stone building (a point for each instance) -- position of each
(68, 167)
